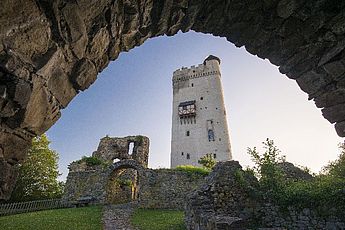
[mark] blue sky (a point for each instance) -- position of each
(133, 96)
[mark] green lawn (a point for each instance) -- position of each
(59, 219)
(156, 219)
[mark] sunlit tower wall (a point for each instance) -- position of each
(199, 124)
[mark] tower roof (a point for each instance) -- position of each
(211, 57)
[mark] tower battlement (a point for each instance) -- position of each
(209, 67)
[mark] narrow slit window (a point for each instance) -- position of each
(188, 156)
(187, 133)
(214, 156)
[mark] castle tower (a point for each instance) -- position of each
(199, 125)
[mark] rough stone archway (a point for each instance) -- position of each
(124, 170)
(127, 164)
(51, 50)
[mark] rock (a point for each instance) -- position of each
(292, 172)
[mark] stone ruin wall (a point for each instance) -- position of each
(223, 203)
(86, 181)
(111, 148)
(165, 188)
(156, 188)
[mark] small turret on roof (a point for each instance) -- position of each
(211, 57)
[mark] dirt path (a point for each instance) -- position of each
(117, 217)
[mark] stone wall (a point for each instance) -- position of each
(222, 202)
(111, 148)
(157, 188)
(86, 181)
(164, 188)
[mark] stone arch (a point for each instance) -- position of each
(114, 191)
(125, 164)
(52, 50)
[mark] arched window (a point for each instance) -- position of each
(210, 135)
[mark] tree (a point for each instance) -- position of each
(207, 161)
(38, 174)
(266, 165)
(337, 167)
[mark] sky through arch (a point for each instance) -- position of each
(133, 96)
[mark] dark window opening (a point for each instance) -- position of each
(192, 84)
(216, 108)
(205, 107)
(214, 156)
(201, 98)
(182, 154)
(220, 139)
(188, 156)
(187, 133)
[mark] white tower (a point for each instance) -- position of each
(199, 125)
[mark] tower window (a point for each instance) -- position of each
(210, 135)
(220, 139)
(188, 156)
(214, 156)
(182, 154)
(201, 98)
(187, 133)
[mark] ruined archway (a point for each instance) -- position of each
(123, 183)
(50, 51)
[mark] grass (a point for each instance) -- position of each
(158, 219)
(190, 169)
(58, 219)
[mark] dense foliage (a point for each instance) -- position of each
(325, 192)
(207, 161)
(38, 174)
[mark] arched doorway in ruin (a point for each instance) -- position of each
(123, 183)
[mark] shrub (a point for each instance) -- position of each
(192, 170)
(266, 166)
(337, 167)
(207, 161)
(124, 182)
(92, 161)
(324, 193)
